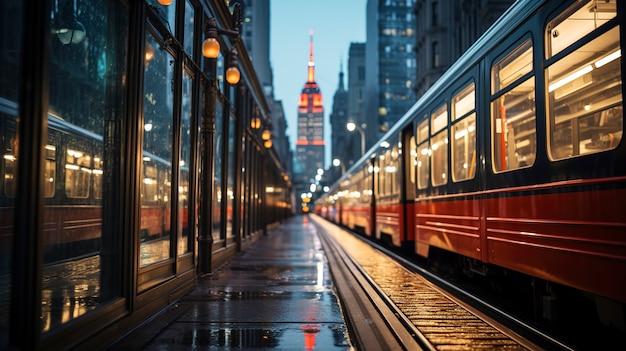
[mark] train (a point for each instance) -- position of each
(513, 162)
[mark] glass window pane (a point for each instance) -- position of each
(423, 165)
(185, 160)
(512, 67)
(577, 22)
(464, 148)
(464, 102)
(218, 148)
(231, 165)
(440, 158)
(189, 27)
(439, 119)
(422, 131)
(86, 92)
(157, 155)
(514, 128)
(585, 99)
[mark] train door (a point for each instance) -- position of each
(407, 187)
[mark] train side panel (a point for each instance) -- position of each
(572, 235)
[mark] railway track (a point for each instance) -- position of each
(391, 303)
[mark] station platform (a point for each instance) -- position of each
(278, 294)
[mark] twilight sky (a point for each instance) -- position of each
(335, 24)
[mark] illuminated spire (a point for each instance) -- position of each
(311, 75)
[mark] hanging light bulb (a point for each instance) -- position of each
(266, 135)
(232, 73)
(210, 48)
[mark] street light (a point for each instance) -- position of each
(352, 127)
(337, 162)
(210, 50)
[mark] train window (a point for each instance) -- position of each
(423, 155)
(149, 192)
(512, 67)
(50, 168)
(10, 156)
(440, 158)
(97, 176)
(464, 134)
(439, 119)
(585, 108)
(439, 146)
(577, 22)
(77, 173)
(464, 148)
(513, 123)
(464, 102)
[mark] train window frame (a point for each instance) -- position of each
(510, 134)
(464, 126)
(584, 102)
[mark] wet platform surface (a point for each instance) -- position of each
(277, 295)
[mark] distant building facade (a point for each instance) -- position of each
(310, 143)
(445, 30)
(390, 64)
(356, 100)
(256, 37)
(338, 119)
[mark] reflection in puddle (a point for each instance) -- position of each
(283, 337)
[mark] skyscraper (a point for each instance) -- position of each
(310, 143)
(390, 64)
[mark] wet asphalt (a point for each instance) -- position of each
(276, 295)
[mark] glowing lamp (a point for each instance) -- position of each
(210, 48)
(266, 135)
(267, 144)
(233, 75)
(255, 123)
(165, 2)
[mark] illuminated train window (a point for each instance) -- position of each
(464, 134)
(585, 108)
(513, 123)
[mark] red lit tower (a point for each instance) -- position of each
(310, 143)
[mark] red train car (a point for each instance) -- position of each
(514, 160)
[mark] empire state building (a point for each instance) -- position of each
(310, 143)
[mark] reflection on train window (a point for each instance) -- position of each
(50, 168)
(513, 123)
(464, 135)
(585, 99)
(577, 22)
(439, 146)
(10, 156)
(77, 171)
(97, 176)
(149, 192)
(423, 155)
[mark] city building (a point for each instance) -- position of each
(338, 118)
(310, 143)
(390, 64)
(445, 30)
(256, 36)
(356, 101)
